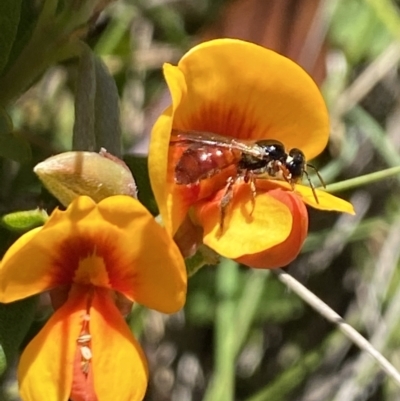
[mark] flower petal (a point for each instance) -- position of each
(26, 268)
(82, 388)
(246, 231)
(115, 244)
(29, 266)
(119, 365)
(240, 89)
(161, 178)
(282, 254)
(149, 268)
(46, 365)
(265, 96)
(326, 201)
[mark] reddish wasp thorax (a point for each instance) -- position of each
(206, 154)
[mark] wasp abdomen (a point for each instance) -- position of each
(200, 162)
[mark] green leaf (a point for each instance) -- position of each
(10, 11)
(15, 321)
(28, 16)
(106, 124)
(138, 166)
(96, 107)
(85, 92)
(15, 148)
(24, 220)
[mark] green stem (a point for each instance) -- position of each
(362, 180)
(223, 382)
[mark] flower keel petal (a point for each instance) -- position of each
(46, 365)
(282, 254)
(119, 365)
(246, 231)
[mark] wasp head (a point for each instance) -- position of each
(296, 164)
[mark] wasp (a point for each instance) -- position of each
(206, 154)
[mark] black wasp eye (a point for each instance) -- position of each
(297, 155)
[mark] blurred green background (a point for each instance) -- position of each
(276, 348)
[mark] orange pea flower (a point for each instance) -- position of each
(238, 89)
(96, 254)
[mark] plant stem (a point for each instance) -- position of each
(362, 180)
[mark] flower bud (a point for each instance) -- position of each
(98, 175)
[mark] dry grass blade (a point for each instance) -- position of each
(324, 310)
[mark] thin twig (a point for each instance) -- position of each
(329, 314)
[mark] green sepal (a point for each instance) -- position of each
(204, 256)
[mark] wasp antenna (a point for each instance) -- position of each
(318, 174)
(311, 186)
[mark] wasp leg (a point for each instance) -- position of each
(249, 178)
(253, 189)
(318, 174)
(312, 185)
(225, 201)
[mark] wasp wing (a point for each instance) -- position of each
(209, 138)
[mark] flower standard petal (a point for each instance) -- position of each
(265, 96)
(150, 269)
(134, 254)
(161, 175)
(119, 365)
(46, 365)
(29, 266)
(247, 228)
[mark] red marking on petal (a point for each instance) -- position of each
(83, 245)
(82, 384)
(82, 388)
(222, 119)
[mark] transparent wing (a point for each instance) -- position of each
(208, 138)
